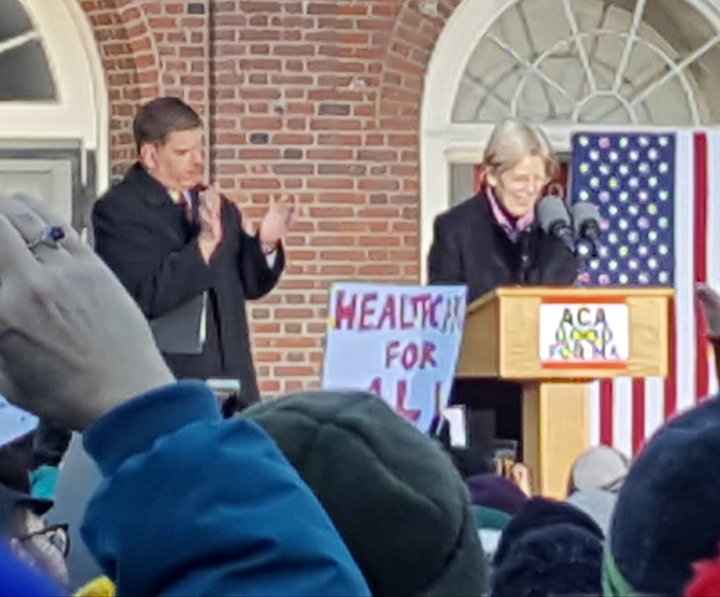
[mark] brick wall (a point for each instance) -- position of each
(316, 98)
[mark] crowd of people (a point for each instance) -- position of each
(312, 494)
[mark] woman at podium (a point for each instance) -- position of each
(492, 240)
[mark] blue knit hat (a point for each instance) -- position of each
(666, 516)
(548, 548)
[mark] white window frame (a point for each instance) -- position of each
(443, 142)
(81, 110)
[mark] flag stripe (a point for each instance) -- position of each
(638, 414)
(622, 412)
(700, 236)
(594, 415)
(654, 404)
(606, 411)
(713, 237)
(670, 397)
(685, 330)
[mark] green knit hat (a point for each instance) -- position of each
(393, 494)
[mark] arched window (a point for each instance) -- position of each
(53, 105)
(24, 71)
(594, 61)
(565, 64)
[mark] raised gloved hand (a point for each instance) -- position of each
(73, 344)
(710, 302)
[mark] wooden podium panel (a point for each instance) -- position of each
(501, 337)
(505, 336)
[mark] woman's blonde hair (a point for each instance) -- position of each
(511, 141)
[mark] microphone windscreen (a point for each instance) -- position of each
(550, 211)
(583, 212)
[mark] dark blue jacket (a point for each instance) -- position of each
(19, 580)
(194, 505)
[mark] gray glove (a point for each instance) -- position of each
(73, 344)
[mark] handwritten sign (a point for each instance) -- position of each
(587, 334)
(399, 342)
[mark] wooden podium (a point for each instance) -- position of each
(554, 341)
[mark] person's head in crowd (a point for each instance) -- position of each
(599, 467)
(21, 522)
(16, 463)
(497, 492)
(30, 539)
(101, 586)
(468, 461)
(17, 435)
(392, 493)
(666, 517)
(705, 581)
(597, 504)
(518, 163)
(169, 139)
(548, 548)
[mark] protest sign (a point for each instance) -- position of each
(399, 342)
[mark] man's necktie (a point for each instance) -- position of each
(182, 202)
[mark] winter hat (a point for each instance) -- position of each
(549, 548)
(706, 580)
(392, 493)
(600, 467)
(11, 500)
(98, 587)
(14, 423)
(666, 517)
(496, 492)
(490, 518)
(597, 504)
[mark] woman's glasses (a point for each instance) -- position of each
(56, 535)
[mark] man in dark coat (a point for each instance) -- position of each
(172, 244)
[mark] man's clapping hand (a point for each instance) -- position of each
(278, 221)
(211, 231)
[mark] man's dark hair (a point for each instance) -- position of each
(158, 118)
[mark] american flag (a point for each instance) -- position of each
(659, 199)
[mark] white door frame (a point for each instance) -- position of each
(81, 111)
(443, 142)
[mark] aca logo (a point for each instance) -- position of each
(584, 333)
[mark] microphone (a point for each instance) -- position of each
(586, 221)
(555, 220)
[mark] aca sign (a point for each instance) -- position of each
(583, 334)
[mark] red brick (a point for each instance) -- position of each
(291, 139)
(330, 183)
(296, 371)
(265, 153)
(259, 183)
(293, 169)
(330, 154)
(351, 154)
(264, 7)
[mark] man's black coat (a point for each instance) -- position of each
(145, 239)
